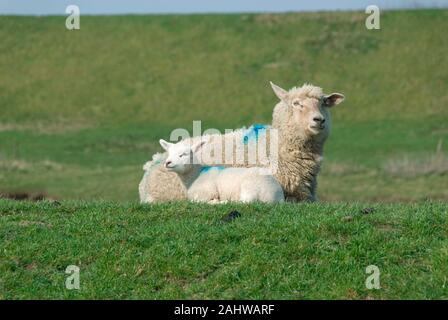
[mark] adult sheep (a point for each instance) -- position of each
(302, 125)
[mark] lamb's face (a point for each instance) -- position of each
(181, 157)
(306, 109)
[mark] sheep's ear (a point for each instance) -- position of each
(282, 94)
(195, 147)
(165, 145)
(333, 99)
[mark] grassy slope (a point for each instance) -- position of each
(186, 251)
(82, 110)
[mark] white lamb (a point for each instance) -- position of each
(219, 184)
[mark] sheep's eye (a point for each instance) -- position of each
(297, 104)
(183, 155)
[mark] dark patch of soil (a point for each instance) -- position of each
(231, 216)
(368, 210)
(24, 196)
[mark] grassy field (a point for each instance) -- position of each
(81, 111)
(186, 251)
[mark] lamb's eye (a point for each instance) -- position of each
(183, 155)
(297, 104)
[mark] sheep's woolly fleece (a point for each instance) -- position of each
(299, 152)
(234, 184)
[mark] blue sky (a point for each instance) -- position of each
(43, 7)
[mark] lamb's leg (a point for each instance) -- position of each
(217, 201)
(203, 196)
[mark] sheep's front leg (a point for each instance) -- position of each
(202, 199)
(217, 201)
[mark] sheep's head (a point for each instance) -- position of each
(305, 109)
(181, 156)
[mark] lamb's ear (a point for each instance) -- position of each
(333, 99)
(282, 94)
(165, 145)
(196, 146)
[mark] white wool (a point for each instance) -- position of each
(143, 187)
(236, 184)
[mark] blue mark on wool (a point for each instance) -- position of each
(207, 168)
(253, 132)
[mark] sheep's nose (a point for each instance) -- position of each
(167, 163)
(319, 119)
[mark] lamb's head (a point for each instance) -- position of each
(305, 109)
(181, 156)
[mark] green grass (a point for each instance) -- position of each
(181, 250)
(83, 110)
